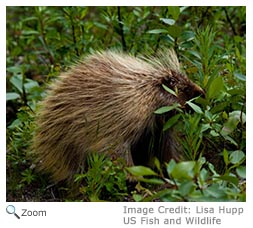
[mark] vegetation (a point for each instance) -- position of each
(211, 45)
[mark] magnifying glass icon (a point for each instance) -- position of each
(11, 210)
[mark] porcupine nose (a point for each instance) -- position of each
(199, 92)
(193, 91)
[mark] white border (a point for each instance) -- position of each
(111, 214)
(126, 3)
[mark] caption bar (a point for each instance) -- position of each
(179, 215)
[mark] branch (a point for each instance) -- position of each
(121, 31)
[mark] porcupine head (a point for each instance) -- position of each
(105, 104)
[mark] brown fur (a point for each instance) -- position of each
(106, 104)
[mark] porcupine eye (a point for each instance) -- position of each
(170, 82)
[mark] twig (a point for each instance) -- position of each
(121, 31)
(229, 21)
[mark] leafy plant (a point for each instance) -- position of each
(191, 181)
(19, 135)
(103, 179)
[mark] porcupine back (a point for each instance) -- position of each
(106, 103)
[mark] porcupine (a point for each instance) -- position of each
(105, 104)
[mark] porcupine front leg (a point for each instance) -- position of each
(126, 155)
(129, 158)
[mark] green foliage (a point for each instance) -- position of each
(215, 129)
(103, 180)
(192, 181)
(24, 90)
(210, 42)
(19, 167)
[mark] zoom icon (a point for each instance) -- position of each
(10, 209)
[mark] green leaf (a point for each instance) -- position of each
(33, 18)
(168, 21)
(212, 169)
(203, 175)
(225, 157)
(137, 197)
(167, 108)
(186, 187)
(100, 25)
(171, 122)
(234, 118)
(140, 171)
(214, 191)
(169, 90)
(195, 54)
(14, 69)
(236, 157)
(174, 31)
(157, 31)
(195, 107)
(30, 32)
(16, 81)
(30, 84)
(184, 170)
(170, 166)
(174, 11)
(238, 115)
(187, 36)
(152, 180)
(230, 139)
(12, 96)
(241, 171)
(157, 164)
(215, 88)
(163, 109)
(231, 179)
(205, 127)
(240, 76)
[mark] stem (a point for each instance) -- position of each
(229, 21)
(121, 31)
(73, 30)
(241, 120)
(44, 41)
(203, 16)
(24, 98)
(74, 37)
